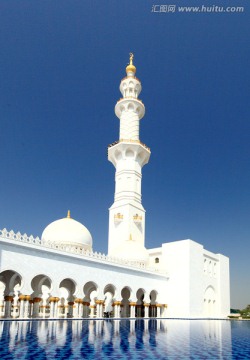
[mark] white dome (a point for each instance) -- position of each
(131, 250)
(68, 231)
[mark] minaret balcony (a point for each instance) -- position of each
(129, 141)
(128, 149)
(130, 104)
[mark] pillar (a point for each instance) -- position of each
(24, 306)
(132, 306)
(85, 311)
(117, 309)
(16, 307)
(78, 308)
(36, 305)
(153, 310)
(31, 306)
(70, 308)
(99, 308)
(56, 309)
(92, 311)
(158, 310)
(146, 310)
(53, 307)
(8, 303)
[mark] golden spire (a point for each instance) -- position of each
(130, 237)
(68, 215)
(131, 67)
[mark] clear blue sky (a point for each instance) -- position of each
(61, 64)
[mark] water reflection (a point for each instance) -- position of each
(89, 339)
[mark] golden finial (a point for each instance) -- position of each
(131, 68)
(131, 57)
(130, 237)
(68, 215)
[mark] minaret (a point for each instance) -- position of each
(128, 155)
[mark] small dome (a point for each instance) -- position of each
(131, 68)
(68, 231)
(131, 250)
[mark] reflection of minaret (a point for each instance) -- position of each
(128, 155)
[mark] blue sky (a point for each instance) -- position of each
(61, 64)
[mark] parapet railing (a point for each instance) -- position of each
(129, 141)
(77, 250)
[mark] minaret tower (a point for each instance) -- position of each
(128, 155)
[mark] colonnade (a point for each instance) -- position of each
(24, 307)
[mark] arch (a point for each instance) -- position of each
(67, 290)
(129, 153)
(157, 260)
(70, 286)
(89, 288)
(109, 294)
(153, 296)
(130, 107)
(40, 284)
(125, 294)
(139, 311)
(109, 288)
(12, 280)
(153, 301)
(209, 308)
(118, 155)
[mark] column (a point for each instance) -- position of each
(53, 307)
(70, 308)
(153, 310)
(158, 310)
(24, 306)
(61, 310)
(77, 311)
(1, 305)
(43, 310)
(15, 305)
(56, 309)
(75, 308)
(65, 309)
(7, 311)
(132, 306)
(92, 311)
(36, 305)
(99, 308)
(117, 309)
(80, 314)
(146, 309)
(85, 312)
(31, 306)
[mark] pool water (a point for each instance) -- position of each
(125, 339)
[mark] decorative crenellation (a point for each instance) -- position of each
(77, 250)
(118, 217)
(137, 218)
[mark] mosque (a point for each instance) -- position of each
(60, 276)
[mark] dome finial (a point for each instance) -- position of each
(68, 215)
(131, 57)
(131, 69)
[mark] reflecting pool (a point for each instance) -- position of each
(125, 339)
